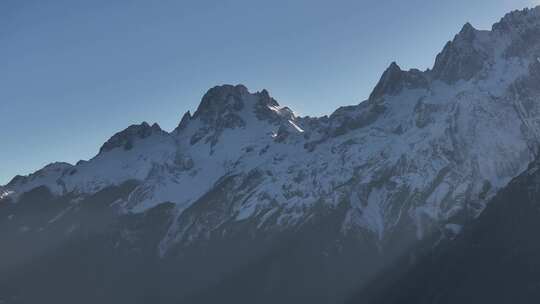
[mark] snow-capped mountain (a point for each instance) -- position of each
(418, 159)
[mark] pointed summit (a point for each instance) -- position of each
(467, 33)
(460, 58)
(394, 68)
(184, 121)
(389, 82)
(394, 79)
(467, 28)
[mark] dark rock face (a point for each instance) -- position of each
(228, 107)
(460, 58)
(346, 119)
(221, 100)
(522, 27)
(495, 260)
(184, 121)
(394, 80)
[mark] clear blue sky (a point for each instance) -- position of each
(72, 73)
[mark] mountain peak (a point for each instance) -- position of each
(222, 98)
(518, 19)
(126, 137)
(184, 121)
(229, 100)
(389, 82)
(467, 29)
(394, 79)
(229, 107)
(460, 58)
(405, 169)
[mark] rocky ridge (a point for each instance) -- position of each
(417, 160)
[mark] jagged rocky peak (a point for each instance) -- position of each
(267, 108)
(184, 121)
(394, 80)
(461, 58)
(467, 33)
(127, 138)
(522, 29)
(221, 99)
(227, 107)
(472, 50)
(471, 53)
(518, 20)
(230, 106)
(229, 99)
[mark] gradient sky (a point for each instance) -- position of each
(72, 73)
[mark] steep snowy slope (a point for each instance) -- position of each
(494, 260)
(415, 161)
(423, 145)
